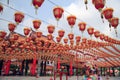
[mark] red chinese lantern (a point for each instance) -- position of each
(82, 26)
(15, 36)
(99, 4)
(26, 31)
(1, 8)
(11, 27)
(84, 40)
(18, 17)
(96, 34)
(58, 11)
(72, 42)
(61, 33)
(71, 20)
(65, 40)
(2, 34)
(58, 39)
(77, 38)
(50, 37)
(51, 29)
(71, 36)
(114, 23)
(36, 24)
(108, 13)
(102, 36)
(37, 4)
(90, 31)
(39, 34)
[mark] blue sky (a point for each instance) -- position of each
(45, 13)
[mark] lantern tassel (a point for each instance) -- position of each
(102, 18)
(86, 2)
(7, 1)
(110, 26)
(36, 11)
(116, 32)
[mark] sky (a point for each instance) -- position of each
(45, 14)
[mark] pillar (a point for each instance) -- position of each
(1, 64)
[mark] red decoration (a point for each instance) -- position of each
(51, 29)
(36, 24)
(50, 37)
(90, 31)
(26, 31)
(84, 40)
(18, 17)
(82, 26)
(58, 39)
(99, 4)
(71, 36)
(2, 34)
(61, 33)
(114, 22)
(11, 27)
(58, 11)
(78, 38)
(39, 34)
(37, 3)
(71, 20)
(71, 72)
(96, 34)
(108, 13)
(106, 38)
(15, 36)
(102, 36)
(65, 40)
(58, 64)
(72, 42)
(1, 8)
(33, 68)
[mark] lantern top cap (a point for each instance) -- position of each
(61, 30)
(51, 26)
(82, 23)
(26, 28)
(107, 9)
(37, 20)
(115, 18)
(18, 12)
(11, 23)
(71, 16)
(58, 8)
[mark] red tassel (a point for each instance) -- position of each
(58, 65)
(71, 68)
(33, 68)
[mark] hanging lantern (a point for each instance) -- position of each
(71, 36)
(18, 17)
(36, 24)
(108, 13)
(71, 21)
(77, 38)
(106, 38)
(58, 39)
(99, 4)
(61, 33)
(114, 23)
(50, 37)
(1, 8)
(37, 4)
(58, 11)
(11, 27)
(51, 29)
(90, 31)
(65, 40)
(26, 31)
(15, 36)
(96, 34)
(2, 34)
(84, 40)
(39, 34)
(86, 2)
(72, 42)
(102, 36)
(82, 26)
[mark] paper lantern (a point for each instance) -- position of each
(65, 40)
(58, 11)
(39, 34)
(19, 16)
(51, 29)
(36, 24)
(90, 31)
(1, 8)
(26, 31)
(61, 33)
(84, 40)
(71, 20)
(77, 38)
(108, 13)
(99, 4)
(15, 36)
(11, 27)
(102, 36)
(96, 34)
(50, 37)
(58, 39)
(37, 4)
(2, 34)
(71, 36)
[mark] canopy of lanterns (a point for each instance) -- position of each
(74, 49)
